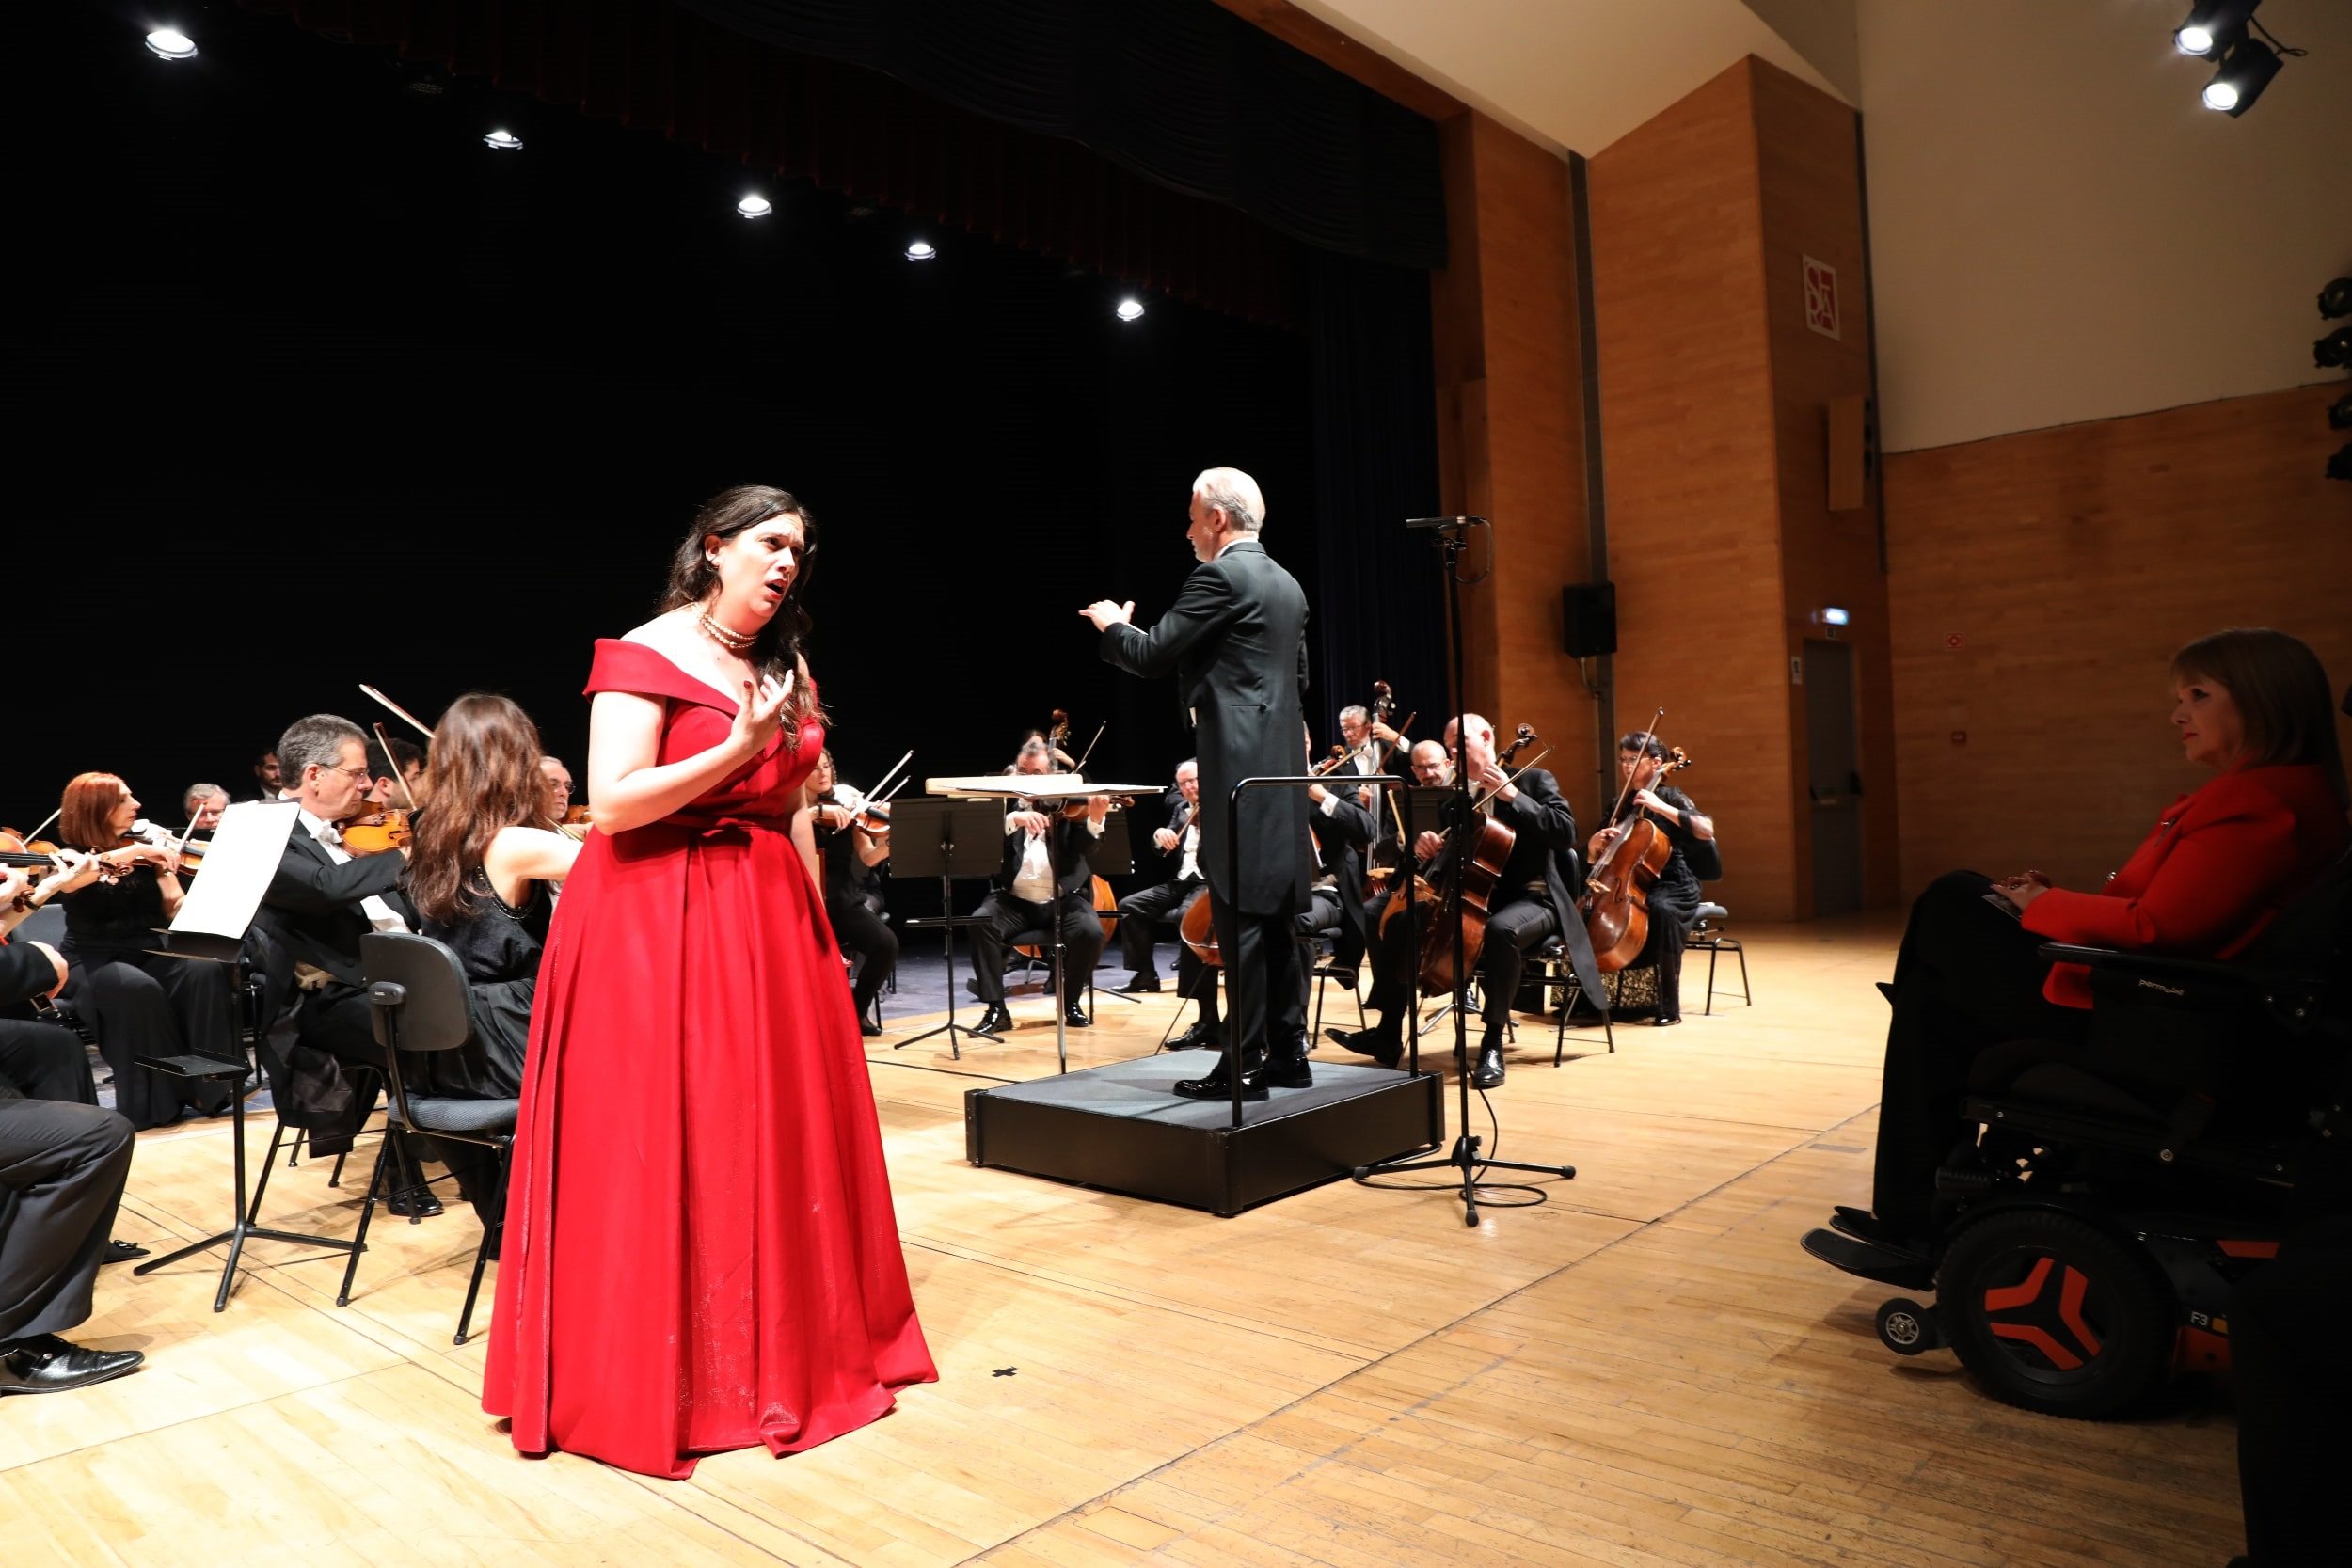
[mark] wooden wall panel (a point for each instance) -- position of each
(1510, 399)
(2067, 565)
(1811, 179)
(1688, 432)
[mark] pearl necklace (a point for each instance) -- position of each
(733, 641)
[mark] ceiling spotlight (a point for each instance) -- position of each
(2213, 26)
(2246, 70)
(921, 250)
(1130, 310)
(2336, 298)
(755, 206)
(504, 141)
(167, 44)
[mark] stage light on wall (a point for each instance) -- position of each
(2336, 298)
(1130, 310)
(2246, 70)
(921, 251)
(755, 206)
(166, 43)
(2212, 26)
(2340, 413)
(1831, 615)
(2334, 350)
(502, 141)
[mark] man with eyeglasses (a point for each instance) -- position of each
(319, 903)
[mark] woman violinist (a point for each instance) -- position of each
(1674, 900)
(854, 835)
(138, 1004)
(2252, 705)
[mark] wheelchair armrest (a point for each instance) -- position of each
(2162, 967)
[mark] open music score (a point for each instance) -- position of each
(1035, 786)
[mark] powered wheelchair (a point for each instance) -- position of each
(2109, 1196)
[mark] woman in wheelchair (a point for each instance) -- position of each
(2255, 706)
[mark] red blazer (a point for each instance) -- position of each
(2219, 868)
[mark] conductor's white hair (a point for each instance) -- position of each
(1236, 494)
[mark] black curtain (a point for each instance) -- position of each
(1379, 615)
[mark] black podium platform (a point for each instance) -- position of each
(1119, 1127)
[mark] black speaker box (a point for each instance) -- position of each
(1589, 615)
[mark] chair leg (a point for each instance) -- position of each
(1746, 995)
(269, 1161)
(294, 1152)
(482, 1253)
(367, 1211)
(1714, 951)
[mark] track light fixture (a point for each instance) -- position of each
(2334, 350)
(922, 251)
(166, 43)
(755, 206)
(2212, 26)
(1130, 310)
(2246, 70)
(2336, 298)
(2340, 413)
(502, 141)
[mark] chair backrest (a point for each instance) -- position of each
(47, 924)
(433, 1014)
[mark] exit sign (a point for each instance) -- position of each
(1821, 297)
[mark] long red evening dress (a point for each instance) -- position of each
(700, 1251)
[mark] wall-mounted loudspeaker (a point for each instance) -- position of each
(1588, 616)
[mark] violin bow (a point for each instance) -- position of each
(398, 777)
(1624, 791)
(423, 728)
(1080, 766)
(1512, 777)
(877, 790)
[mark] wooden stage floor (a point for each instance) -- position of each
(1643, 1370)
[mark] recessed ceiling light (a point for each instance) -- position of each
(755, 206)
(169, 44)
(921, 251)
(504, 141)
(1130, 310)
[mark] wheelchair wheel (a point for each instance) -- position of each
(2054, 1314)
(1907, 1328)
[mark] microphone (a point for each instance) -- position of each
(1445, 522)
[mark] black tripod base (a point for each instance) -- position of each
(236, 1238)
(1465, 1159)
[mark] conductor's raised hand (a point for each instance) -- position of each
(1104, 614)
(759, 712)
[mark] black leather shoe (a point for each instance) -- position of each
(414, 1202)
(1382, 1046)
(868, 1028)
(1142, 980)
(1200, 1036)
(121, 1252)
(1488, 1074)
(1283, 1072)
(1077, 1018)
(1216, 1085)
(45, 1364)
(994, 1020)
(1665, 1022)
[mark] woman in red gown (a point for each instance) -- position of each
(700, 1251)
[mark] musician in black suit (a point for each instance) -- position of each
(38, 1060)
(319, 903)
(1142, 912)
(1531, 903)
(1343, 831)
(1236, 641)
(1045, 864)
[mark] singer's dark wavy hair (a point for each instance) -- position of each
(783, 642)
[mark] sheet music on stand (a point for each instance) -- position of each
(244, 856)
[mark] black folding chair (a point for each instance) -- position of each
(416, 999)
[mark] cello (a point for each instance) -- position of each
(1616, 906)
(1488, 846)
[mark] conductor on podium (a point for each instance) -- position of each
(1236, 641)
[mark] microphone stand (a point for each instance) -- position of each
(1452, 535)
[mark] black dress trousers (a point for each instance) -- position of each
(62, 1169)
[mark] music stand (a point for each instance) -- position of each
(1112, 855)
(946, 838)
(209, 929)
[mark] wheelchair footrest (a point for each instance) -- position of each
(1870, 1260)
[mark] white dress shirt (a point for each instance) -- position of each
(1034, 881)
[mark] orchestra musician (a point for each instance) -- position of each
(1044, 865)
(39, 1059)
(557, 781)
(201, 804)
(1236, 641)
(1142, 912)
(268, 778)
(137, 1003)
(1531, 903)
(1673, 900)
(856, 848)
(1342, 830)
(400, 779)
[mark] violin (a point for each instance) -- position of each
(575, 815)
(1615, 908)
(40, 855)
(378, 832)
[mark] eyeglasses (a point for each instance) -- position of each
(358, 774)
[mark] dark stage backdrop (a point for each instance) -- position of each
(313, 389)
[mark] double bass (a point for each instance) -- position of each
(1616, 906)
